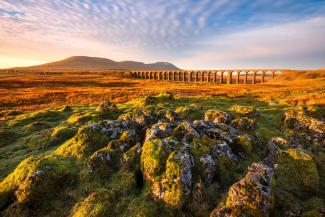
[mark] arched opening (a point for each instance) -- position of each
(222, 75)
(174, 75)
(236, 75)
(239, 77)
(258, 78)
(197, 76)
(209, 75)
(203, 76)
(192, 76)
(165, 75)
(229, 77)
(268, 75)
(276, 73)
(155, 75)
(179, 75)
(185, 76)
(170, 75)
(150, 75)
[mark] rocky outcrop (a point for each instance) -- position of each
(251, 196)
(306, 129)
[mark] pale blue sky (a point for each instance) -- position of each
(191, 34)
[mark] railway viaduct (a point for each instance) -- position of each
(211, 76)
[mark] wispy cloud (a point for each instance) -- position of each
(146, 30)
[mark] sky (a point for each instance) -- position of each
(192, 34)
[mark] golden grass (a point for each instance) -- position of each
(33, 91)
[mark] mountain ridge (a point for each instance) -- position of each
(98, 63)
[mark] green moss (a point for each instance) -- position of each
(34, 179)
(84, 143)
(98, 204)
(51, 176)
(245, 111)
(297, 172)
(107, 110)
(8, 136)
(103, 163)
(28, 118)
(188, 112)
(153, 157)
(172, 182)
(80, 118)
(37, 125)
(245, 144)
(131, 158)
(61, 134)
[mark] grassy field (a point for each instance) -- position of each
(33, 91)
(45, 117)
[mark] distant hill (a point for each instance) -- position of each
(84, 63)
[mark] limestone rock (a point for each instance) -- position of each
(218, 116)
(251, 196)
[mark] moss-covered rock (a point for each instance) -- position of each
(103, 163)
(244, 111)
(176, 183)
(217, 116)
(251, 196)
(107, 109)
(297, 172)
(244, 123)
(52, 174)
(35, 180)
(153, 157)
(98, 204)
(61, 134)
(188, 112)
(244, 144)
(131, 158)
(84, 143)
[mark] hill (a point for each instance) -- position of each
(95, 63)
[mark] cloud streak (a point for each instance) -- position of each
(177, 30)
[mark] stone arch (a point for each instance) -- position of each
(239, 74)
(209, 75)
(170, 74)
(197, 76)
(155, 75)
(165, 75)
(160, 75)
(174, 75)
(150, 75)
(229, 77)
(139, 74)
(185, 75)
(260, 74)
(179, 75)
(222, 75)
(268, 74)
(234, 73)
(203, 76)
(192, 78)
(276, 73)
(143, 75)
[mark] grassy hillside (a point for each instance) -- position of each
(84, 63)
